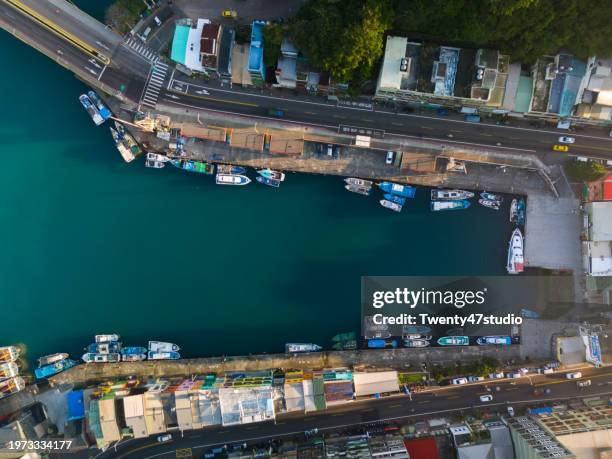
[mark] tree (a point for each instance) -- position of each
(273, 37)
(344, 37)
(579, 171)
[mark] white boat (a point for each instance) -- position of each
(11, 386)
(161, 346)
(126, 153)
(302, 347)
(358, 182)
(390, 205)
(8, 354)
(489, 204)
(8, 370)
(134, 357)
(51, 358)
(274, 175)
(163, 355)
(157, 157)
(364, 190)
(450, 195)
(231, 179)
(515, 263)
(513, 210)
(107, 338)
(154, 164)
(91, 357)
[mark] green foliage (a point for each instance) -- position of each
(124, 14)
(480, 367)
(344, 37)
(579, 171)
(273, 37)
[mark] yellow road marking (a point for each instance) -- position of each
(596, 148)
(140, 448)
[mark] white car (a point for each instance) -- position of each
(510, 411)
(164, 438)
(486, 398)
(575, 375)
(457, 381)
(390, 156)
(496, 375)
(475, 378)
(565, 139)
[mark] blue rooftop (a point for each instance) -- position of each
(565, 89)
(256, 49)
(76, 406)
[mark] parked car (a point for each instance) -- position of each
(164, 438)
(486, 398)
(574, 375)
(459, 381)
(496, 375)
(513, 375)
(560, 148)
(548, 371)
(510, 411)
(566, 139)
(475, 378)
(390, 156)
(157, 21)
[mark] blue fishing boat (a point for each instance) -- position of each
(163, 355)
(491, 197)
(193, 166)
(493, 340)
(437, 206)
(405, 191)
(133, 350)
(454, 341)
(381, 343)
(49, 370)
(103, 109)
(104, 348)
(274, 175)
(520, 212)
(230, 169)
(394, 198)
(268, 181)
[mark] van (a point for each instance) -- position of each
(157, 21)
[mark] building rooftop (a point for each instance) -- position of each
(256, 48)
(209, 38)
(395, 52)
(601, 220)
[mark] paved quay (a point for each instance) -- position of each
(399, 359)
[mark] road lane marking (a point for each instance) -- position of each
(486, 135)
(397, 124)
(214, 99)
(309, 113)
(426, 127)
(512, 388)
(455, 130)
(424, 401)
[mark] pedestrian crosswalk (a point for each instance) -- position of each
(142, 49)
(155, 83)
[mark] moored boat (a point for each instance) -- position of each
(54, 368)
(133, 350)
(302, 347)
(154, 164)
(169, 355)
(268, 181)
(529, 314)
(415, 330)
(491, 340)
(107, 338)
(8, 370)
(381, 343)
(8, 354)
(394, 198)
(156, 160)
(125, 152)
(513, 210)
(520, 212)
(437, 206)
(491, 197)
(344, 336)
(231, 179)
(345, 345)
(230, 169)
(364, 190)
(515, 264)
(390, 205)
(450, 195)
(91, 109)
(424, 337)
(358, 182)
(133, 357)
(193, 166)
(161, 346)
(102, 109)
(11, 386)
(380, 334)
(454, 341)
(405, 191)
(92, 357)
(104, 348)
(416, 343)
(51, 358)
(489, 204)
(274, 175)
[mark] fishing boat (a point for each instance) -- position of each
(104, 348)
(133, 350)
(154, 164)
(134, 357)
(394, 198)
(358, 182)
(170, 355)
(415, 330)
(125, 152)
(489, 340)
(515, 264)
(489, 204)
(344, 336)
(416, 343)
(390, 205)
(437, 206)
(102, 109)
(91, 109)
(529, 314)
(454, 341)
(364, 190)
(302, 347)
(491, 197)
(193, 166)
(49, 370)
(11, 386)
(8, 354)
(381, 343)
(107, 338)
(92, 357)
(274, 175)
(161, 346)
(268, 181)
(157, 157)
(381, 334)
(514, 211)
(230, 169)
(450, 195)
(405, 191)
(345, 345)
(51, 358)
(520, 212)
(231, 179)
(8, 370)
(424, 337)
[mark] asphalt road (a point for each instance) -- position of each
(436, 402)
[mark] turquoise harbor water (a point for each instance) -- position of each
(91, 244)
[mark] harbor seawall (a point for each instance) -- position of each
(398, 359)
